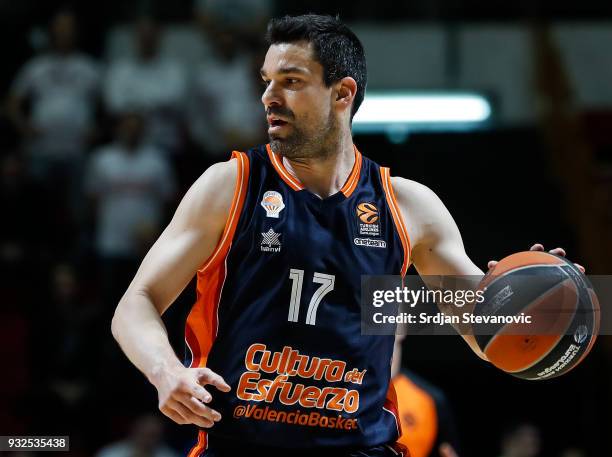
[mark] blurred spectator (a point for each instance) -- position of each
(18, 197)
(130, 183)
(244, 18)
(225, 111)
(67, 345)
(150, 84)
(37, 225)
(146, 440)
(521, 440)
(71, 328)
(427, 423)
(53, 103)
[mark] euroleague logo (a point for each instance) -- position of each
(367, 213)
(368, 222)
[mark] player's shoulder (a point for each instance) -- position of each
(409, 192)
(222, 179)
(218, 177)
(226, 175)
(208, 202)
(422, 210)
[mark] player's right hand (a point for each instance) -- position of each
(183, 398)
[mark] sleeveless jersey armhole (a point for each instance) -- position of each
(202, 321)
(240, 191)
(398, 220)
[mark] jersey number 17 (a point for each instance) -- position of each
(297, 277)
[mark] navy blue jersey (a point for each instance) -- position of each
(278, 309)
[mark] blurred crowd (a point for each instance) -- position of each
(100, 154)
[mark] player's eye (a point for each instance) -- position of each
(265, 82)
(292, 80)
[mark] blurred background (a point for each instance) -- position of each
(111, 110)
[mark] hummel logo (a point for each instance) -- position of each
(270, 241)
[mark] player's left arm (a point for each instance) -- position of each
(435, 241)
(436, 244)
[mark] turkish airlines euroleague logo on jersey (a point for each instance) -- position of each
(367, 213)
(368, 219)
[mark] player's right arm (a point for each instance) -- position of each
(182, 248)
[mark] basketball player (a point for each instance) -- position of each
(279, 237)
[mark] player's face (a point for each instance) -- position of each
(301, 121)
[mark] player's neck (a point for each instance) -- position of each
(325, 176)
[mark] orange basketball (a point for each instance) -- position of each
(558, 301)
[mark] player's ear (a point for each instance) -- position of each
(345, 91)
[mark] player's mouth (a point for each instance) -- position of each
(275, 124)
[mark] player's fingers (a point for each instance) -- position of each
(580, 267)
(200, 393)
(198, 408)
(173, 415)
(191, 387)
(172, 407)
(558, 251)
(177, 418)
(446, 450)
(536, 247)
(491, 264)
(210, 377)
(190, 417)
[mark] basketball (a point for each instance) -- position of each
(560, 304)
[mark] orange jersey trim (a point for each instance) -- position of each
(242, 181)
(200, 445)
(351, 183)
(202, 321)
(277, 163)
(385, 175)
(349, 186)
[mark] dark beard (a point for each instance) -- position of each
(299, 145)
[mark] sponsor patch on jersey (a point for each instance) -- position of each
(284, 377)
(270, 241)
(368, 218)
(272, 202)
(369, 242)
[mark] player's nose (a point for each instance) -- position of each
(271, 95)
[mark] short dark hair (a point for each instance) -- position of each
(335, 47)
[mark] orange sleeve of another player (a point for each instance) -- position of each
(418, 416)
